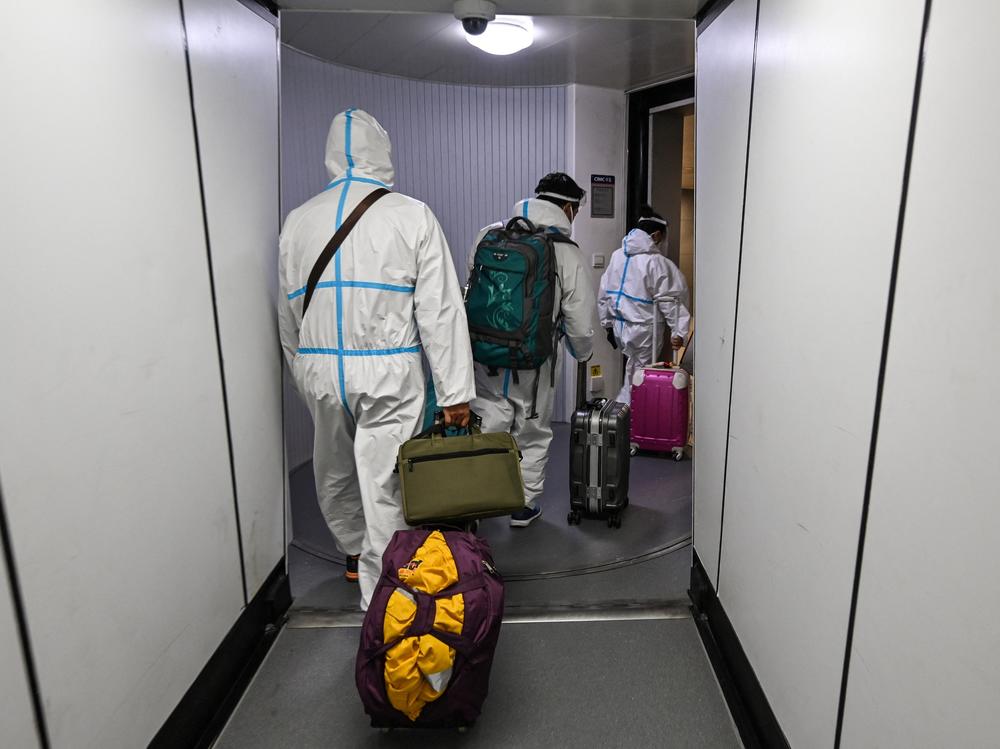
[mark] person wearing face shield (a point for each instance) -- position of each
(641, 282)
(387, 299)
(521, 402)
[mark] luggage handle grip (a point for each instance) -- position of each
(676, 355)
(439, 429)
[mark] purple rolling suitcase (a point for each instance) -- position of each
(483, 591)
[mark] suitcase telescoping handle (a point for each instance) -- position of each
(680, 353)
(676, 355)
(581, 385)
(654, 351)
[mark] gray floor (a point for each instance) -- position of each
(589, 684)
(319, 584)
(623, 683)
(659, 515)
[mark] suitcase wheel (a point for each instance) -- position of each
(633, 449)
(573, 518)
(678, 454)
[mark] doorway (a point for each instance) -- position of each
(671, 180)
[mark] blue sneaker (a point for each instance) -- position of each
(523, 518)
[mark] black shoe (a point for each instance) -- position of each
(351, 573)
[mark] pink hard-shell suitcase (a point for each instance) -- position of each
(660, 410)
(661, 405)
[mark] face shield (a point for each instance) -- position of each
(663, 227)
(576, 203)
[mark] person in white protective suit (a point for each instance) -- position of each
(388, 298)
(506, 405)
(641, 282)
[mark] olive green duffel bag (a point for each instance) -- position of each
(463, 477)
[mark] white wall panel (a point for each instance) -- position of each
(725, 61)
(113, 447)
(926, 649)
(17, 728)
(831, 112)
(234, 68)
(596, 146)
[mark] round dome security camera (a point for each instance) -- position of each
(474, 26)
(475, 15)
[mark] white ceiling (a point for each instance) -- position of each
(609, 52)
(662, 9)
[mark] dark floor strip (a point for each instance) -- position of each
(204, 709)
(747, 702)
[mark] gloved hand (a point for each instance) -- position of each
(676, 342)
(457, 415)
(611, 338)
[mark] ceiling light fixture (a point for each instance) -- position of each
(505, 35)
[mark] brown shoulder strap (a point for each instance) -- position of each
(334, 244)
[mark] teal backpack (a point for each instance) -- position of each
(511, 296)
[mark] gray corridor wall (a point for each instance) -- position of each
(234, 71)
(926, 653)
(725, 61)
(818, 233)
(114, 452)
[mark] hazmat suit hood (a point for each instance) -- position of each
(543, 213)
(358, 146)
(638, 242)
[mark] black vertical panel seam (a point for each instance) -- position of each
(736, 310)
(281, 351)
(23, 632)
(876, 419)
(215, 307)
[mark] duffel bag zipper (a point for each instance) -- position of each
(452, 456)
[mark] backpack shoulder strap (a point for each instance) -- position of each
(335, 241)
(557, 236)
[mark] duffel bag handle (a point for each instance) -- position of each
(475, 425)
(438, 428)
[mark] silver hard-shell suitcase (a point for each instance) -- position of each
(599, 458)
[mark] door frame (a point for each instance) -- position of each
(642, 104)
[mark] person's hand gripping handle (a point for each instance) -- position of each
(456, 416)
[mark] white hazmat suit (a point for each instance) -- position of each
(388, 297)
(505, 405)
(638, 284)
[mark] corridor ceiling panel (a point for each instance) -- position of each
(607, 52)
(661, 9)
